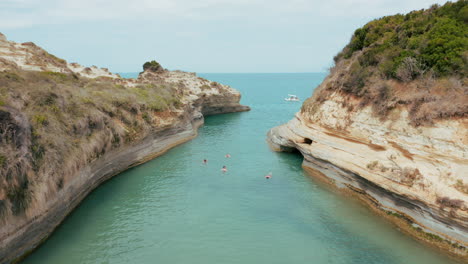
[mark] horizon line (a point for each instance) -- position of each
(229, 72)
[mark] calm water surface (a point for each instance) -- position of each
(174, 209)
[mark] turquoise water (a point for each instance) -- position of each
(174, 209)
(128, 74)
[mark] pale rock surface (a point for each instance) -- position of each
(406, 169)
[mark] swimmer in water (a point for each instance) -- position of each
(228, 156)
(268, 176)
(224, 169)
(205, 161)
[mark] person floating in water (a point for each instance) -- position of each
(228, 155)
(224, 169)
(205, 161)
(268, 176)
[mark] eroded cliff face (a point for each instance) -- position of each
(414, 175)
(389, 124)
(65, 129)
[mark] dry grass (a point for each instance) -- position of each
(409, 176)
(427, 98)
(462, 187)
(451, 203)
(52, 124)
(372, 165)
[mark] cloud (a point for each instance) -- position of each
(28, 13)
(202, 35)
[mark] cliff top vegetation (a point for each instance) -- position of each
(417, 61)
(153, 66)
(404, 47)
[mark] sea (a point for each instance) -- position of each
(176, 209)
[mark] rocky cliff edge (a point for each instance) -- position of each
(66, 128)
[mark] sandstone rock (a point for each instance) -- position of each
(48, 204)
(393, 165)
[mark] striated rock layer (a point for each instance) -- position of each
(45, 177)
(389, 124)
(414, 176)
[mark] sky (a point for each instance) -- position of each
(196, 35)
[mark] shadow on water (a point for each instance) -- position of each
(223, 119)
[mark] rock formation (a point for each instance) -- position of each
(65, 129)
(399, 144)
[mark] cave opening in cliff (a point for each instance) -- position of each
(308, 141)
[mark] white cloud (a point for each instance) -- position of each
(202, 35)
(27, 13)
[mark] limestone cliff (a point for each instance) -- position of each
(65, 129)
(400, 145)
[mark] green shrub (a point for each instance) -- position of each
(11, 76)
(87, 100)
(357, 79)
(2, 160)
(437, 38)
(142, 92)
(41, 119)
(57, 76)
(146, 117)
(153, 66)
(20, 197)
(447, 40)
(394, 214)
(37, 149)
(358, 41)
(158, 104)
(433, 237)
(47, 99)
(55, 109)
(57, 59)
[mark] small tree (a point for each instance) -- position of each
(153, 66)
(409, 69)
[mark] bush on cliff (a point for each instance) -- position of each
(435, 38)
(153, 66)
(418, 61)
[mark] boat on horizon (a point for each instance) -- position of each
(292, 98)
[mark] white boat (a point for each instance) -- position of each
(292, 98)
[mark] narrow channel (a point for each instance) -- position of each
(175, 209)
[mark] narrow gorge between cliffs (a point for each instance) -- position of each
(174, 209)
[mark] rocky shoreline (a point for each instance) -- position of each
(65, 129)
(18, 240)
(342, 161)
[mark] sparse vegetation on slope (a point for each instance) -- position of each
(66, 128)
(51, 124)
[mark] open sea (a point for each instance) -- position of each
(174, 209)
